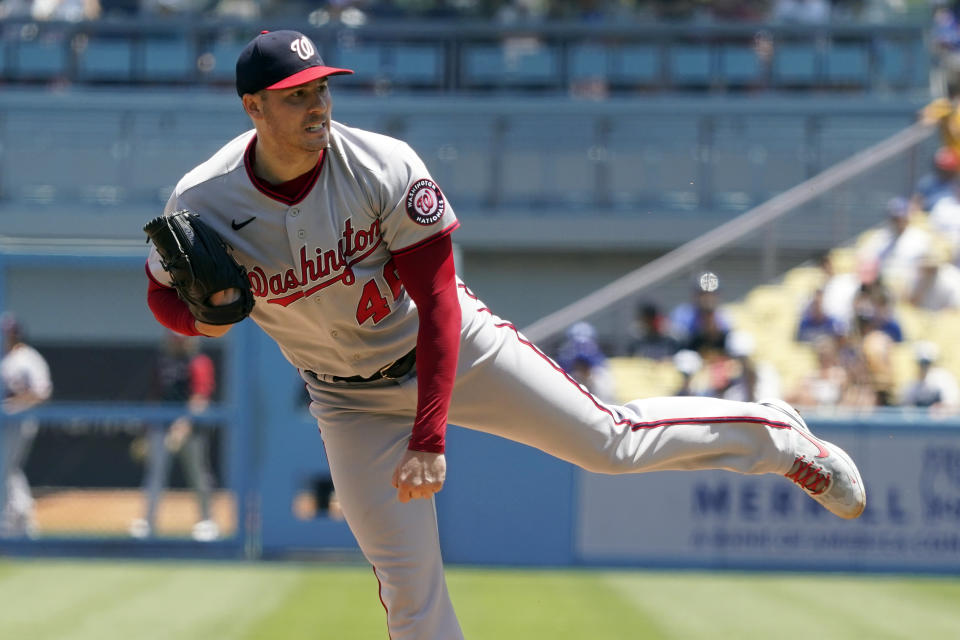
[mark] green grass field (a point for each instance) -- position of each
(115, 600)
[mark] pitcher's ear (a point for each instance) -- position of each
(252, 104)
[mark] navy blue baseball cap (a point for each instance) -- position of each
(279, 60)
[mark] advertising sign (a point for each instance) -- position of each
(719, 518)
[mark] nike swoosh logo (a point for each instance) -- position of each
(821, 450)
(240, 225)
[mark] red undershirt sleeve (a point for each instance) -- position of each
(169, 309)
(429, 276)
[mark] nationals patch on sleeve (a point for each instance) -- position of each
(425, 204)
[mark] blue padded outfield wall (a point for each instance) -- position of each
(507, 504)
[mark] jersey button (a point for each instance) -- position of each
(301, 233)
(334, 333)
(294, 212)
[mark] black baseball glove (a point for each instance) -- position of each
(200, 265)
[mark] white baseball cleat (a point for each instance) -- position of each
(140, 529)
(825, 472)
(205, 531)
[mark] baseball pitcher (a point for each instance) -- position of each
(342, 238)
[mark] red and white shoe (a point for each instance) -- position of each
(824, 470)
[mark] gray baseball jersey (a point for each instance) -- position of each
(325, 291)
(320, 268)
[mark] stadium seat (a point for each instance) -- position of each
(739, 67)
(848, 65)
(520, 64)
(224, 52)
(589, 61)
(416, 64)
(105, 59)
(803, 280)
(366, 60)
(168, 59)
(642, 378)
(795, 65)
(42, 58)
(690, 66)
(635, 66)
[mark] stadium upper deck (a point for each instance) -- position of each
(443, 56)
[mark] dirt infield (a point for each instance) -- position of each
(109, 512)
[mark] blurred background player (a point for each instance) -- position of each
(181, 374)
(26, 383)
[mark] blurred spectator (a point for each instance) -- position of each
(710, 335)
(872, 308)
(119, 8)
(580, 356)
(763, 49)
(815, 321)
(514, 11)
(897, 247)
(933, 388)
(175, 7)
(68, 10)
(749, 380)
(701, 325)
(242, 9)
(25, 378)
(677, 10)
(943, 112)
(801, 11)
(826, 386)
(867, 10)
(945, 219)
(650, 338)
(866, 353)
(16, 8)
(945, 41)
(939, 182)
(739, 10)
(181, 374)
(936, 285)
(688, 364)
(884, 318)
(840, 289)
